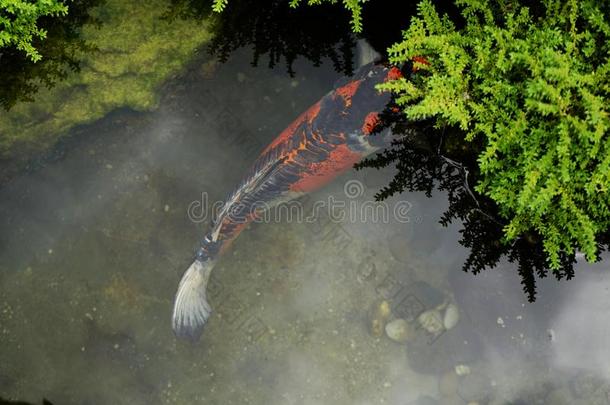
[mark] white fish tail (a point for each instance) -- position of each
(191, 308)
(365, 53)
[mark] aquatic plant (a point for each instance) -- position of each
(116, 71)
(60, 54)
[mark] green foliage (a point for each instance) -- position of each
(354, 6)
(534, 92)
(19, 19)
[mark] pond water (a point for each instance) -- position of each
(93, 244)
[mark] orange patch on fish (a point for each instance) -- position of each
(370, 123)
(320, 173)
(348, 91)
(393, 74)
(286, 134)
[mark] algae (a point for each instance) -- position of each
(134, 51)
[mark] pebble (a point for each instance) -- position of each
(294, 83)
(108, 166)
(241, 77)
(378, 316)
(166, 208)
(451, 317)
(398, 330)
(431, 321)
(500, 321)
(462, 370)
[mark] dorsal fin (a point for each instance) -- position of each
(262, 170)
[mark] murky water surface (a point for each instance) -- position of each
(92, 247)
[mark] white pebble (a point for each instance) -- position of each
(451, 317)
(462, 370)
(398, 330)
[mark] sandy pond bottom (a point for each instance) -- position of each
(92, 247)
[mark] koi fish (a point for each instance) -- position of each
(323, 142)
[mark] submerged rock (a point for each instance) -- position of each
(462, 370)
(378, 316)
(399, 330)
(431, 321)
(451, 316)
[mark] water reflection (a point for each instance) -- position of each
(276, 30)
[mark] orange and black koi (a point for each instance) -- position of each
(323, 142)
